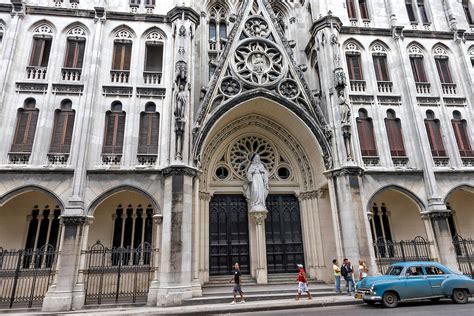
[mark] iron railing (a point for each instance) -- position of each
(25, 276)
(465, 254)
(118, 275)
(388, 252)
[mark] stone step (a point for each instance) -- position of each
(263, 291)
(251, 297)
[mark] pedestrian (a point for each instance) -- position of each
(302, 283)
(363, 270)
(337, 275)
(347, 272)
(237, 285)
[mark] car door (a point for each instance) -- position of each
(417, 283)
(436, 276)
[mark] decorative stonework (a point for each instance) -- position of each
(256, 26)
(230, 87)
(179, 170)
(289, 89)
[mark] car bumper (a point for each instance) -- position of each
(368, 297)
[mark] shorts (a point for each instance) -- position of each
(237, 289)
(302, 287)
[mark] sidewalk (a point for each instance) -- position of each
(207, 309)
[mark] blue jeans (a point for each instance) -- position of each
(350, 286)
(338, 283)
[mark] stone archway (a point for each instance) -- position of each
(460, 201)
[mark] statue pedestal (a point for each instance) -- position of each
(258, 216)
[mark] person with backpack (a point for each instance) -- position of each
(347, 271)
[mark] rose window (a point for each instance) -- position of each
(289, 89)
(256, 26)
(230, 87)
(243, 150)
(259, 62)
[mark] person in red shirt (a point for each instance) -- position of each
(302, 283)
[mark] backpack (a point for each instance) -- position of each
(344, 271)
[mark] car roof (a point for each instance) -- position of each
(417, 263)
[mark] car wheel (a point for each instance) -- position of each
(390, 300)
(460, 296)
(435, 299)
(369, 302)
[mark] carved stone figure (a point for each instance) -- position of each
(258, 63)
(181, 72)
(345, 108)
(256, 188)
(181, 100)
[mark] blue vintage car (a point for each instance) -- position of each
(413, 281)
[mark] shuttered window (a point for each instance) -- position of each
(62, 131)
(380, 65)
(154, 57)
(418, 69)
(462, 138)
(433, 131)
(422, 11)
(122, 56)
(364, 12)
(354, 66)
(395, 137)
(149, 132)
(40, 53)
(365, 130)
(410, 11)
(114, 132)
(149, 3)
(351, 9)
(25, 131)
(442, 65)
(467, 12)
(74, 53)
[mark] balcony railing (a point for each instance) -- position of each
(467, 161)
(385, 86)
(147, 160)
(449, 88)
(19, 158)
(36, 72)
(423, 87)
(371, 161)
(358, 86)
(152, 77)
(58, 159)
(216, 45)
(119, 76)
(111, 159)
(441, 161)
(71, 74)
(400, 162)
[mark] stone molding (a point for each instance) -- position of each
(183, 12)
(75, 220)
(347, 171)
(180, 170)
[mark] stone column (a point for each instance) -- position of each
(204, 199)
(60, 294)
(444, 240)
(155, 283)
(307, 228)
(175, 276)
(258, 217)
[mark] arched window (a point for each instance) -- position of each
(149, 130)
(462, 135)
(114, 129)
(217, 27)
(122, 56)
(365, 129)
(442, 64)
(74, 58)
(354, 67)
(27, 119)
(410, 11)
(417, 65)
(393, 126)
(467, 12)
(351, 12)
(153, 70)
(362, 6)
(379, 56)
(380, 223)
(40, 51)
(433, 131)
(63, 127)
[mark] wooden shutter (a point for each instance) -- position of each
(434, 136)
(364, 12)
(380, 65)
(122, 56)
(462, 138)
(467, 12)
(395, 137)
(410, 11)
(40, 53)
(365, 129)
(154, 58)
(114, 133)
(74, 54)
(25, 130)
(62, 132)
(442, 65)
(418, 69)
(351, 9)
(422, 11)
(148, 135)
(354, 67)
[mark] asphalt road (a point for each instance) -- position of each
(405, 309)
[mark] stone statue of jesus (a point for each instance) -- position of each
(256, 188)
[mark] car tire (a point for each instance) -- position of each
(460, 296)
(369, 302)
(390, 299)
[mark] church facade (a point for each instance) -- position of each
(129, 126)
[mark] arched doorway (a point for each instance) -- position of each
(121, 253)
(259, 127)
(30, 233)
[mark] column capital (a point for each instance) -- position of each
(346, 171)
(76, 220)
(259, 216)
(180, 170)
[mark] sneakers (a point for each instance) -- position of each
(242, 301)
(232, 303)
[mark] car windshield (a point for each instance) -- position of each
(394, 270)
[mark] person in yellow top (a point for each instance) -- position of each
(337, 275)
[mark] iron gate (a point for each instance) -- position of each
(228, 234)
(25, 276)
(388, 252)
(465, 254)
(118, 275)
(283, 234)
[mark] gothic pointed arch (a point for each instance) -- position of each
(31, 188)
(76, 29)
(260, 63)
